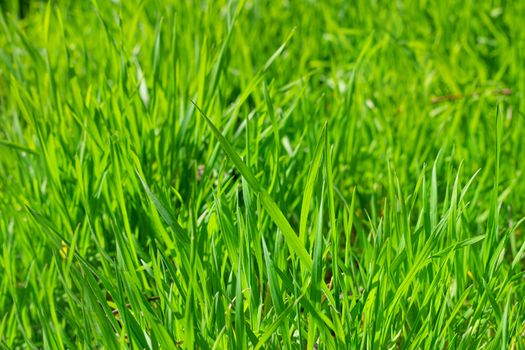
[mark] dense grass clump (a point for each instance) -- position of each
(262, 174)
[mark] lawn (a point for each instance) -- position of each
(262, 174)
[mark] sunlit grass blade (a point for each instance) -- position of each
(269, 205)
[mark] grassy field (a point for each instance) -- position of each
(262, 174)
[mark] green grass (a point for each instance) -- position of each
(262, 174)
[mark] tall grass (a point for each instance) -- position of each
(260, 174)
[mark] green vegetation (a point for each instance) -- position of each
(262, 174)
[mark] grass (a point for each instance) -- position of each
(256, 174)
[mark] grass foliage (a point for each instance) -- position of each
(262, 174)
